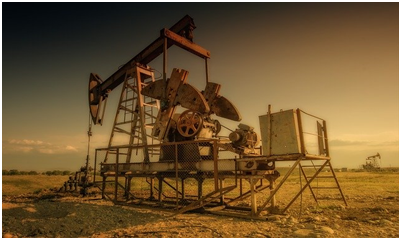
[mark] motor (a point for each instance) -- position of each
(244, 138)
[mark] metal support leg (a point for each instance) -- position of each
(240, 186)
(200, 187)
(273, 198)
(128, 187)
(159, 197)
(182, 188)
(103, 186)
(221, 187)
(254, 206)
(152, 185)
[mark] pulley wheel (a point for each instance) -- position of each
(189, 123)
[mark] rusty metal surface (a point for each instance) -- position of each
(95, 97)
(155, 89)
(177, 92)
(185, 44)
(167, 110)
(220, 105)
(191, 98)
(189, 123)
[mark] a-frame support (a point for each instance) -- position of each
(136, 115)
(319, 161)
(309, 180)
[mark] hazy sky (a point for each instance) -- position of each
(339, 61)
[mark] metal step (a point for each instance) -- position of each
(129, 99)
(119, 130)
(121, 123)
(126, 109)
(152, 103)
(150, 116)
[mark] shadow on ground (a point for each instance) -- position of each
(49, 218)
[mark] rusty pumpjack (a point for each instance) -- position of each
(178, 146)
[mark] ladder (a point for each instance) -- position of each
(135, 117)
(314, 177)
(323, 185)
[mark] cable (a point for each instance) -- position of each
(227, 128)
(158, 77)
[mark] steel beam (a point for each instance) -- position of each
(155, 49)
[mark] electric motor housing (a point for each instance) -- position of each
(244, 136)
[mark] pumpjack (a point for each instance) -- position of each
(182, 157)
(372, 162)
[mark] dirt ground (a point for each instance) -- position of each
(51, 214)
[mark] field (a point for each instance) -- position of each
(32, 209)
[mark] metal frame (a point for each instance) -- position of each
(217, 170)
(136, 113)
(254, 170)
(304, 156)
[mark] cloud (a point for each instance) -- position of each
(347, 143)
(71, 148)
(36, 146)
(364, 146)
(25, 149)
(388, 143)
(46, 151)
(341, 143)
(26, 142)
(388, 136)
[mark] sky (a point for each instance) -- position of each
(338, 61)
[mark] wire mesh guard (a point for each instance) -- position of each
(186, 176)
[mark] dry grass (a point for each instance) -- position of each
(16, 185)
(369, 184)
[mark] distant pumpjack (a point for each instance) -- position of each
(372, 163)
